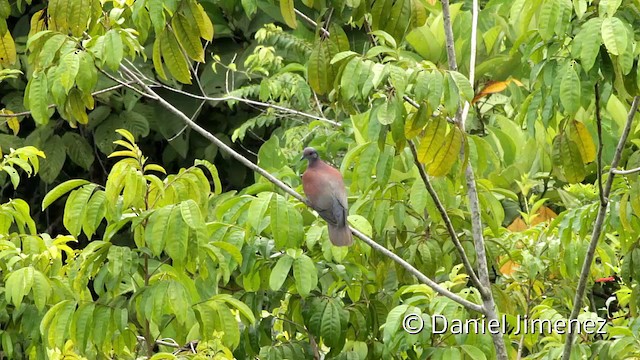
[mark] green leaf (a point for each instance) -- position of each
(87, 76)
(56, 155)
(202, 20)
(589, 39)
(549, 15)
(188, 37)
(156, 13)
(257, 211)
(96, 211)
(280, 272)
(156, 232)
(76, 208)
(60, 190)
(320, 72)
(114, 49)
(173, 58)
(286, 223)
(463, 84)
(473, 352)
(177, 234)
(18, 284)
(305, 274)
(614, 35)
(38, 98)
(288, 13)
(570, 91)
(78, 149)
(447, 155)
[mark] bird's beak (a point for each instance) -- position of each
(302, 158)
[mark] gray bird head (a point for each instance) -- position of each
(310, 154)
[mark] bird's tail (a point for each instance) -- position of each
(340, 235)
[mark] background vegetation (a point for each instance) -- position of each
(149, 181)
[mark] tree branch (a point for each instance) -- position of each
(447, 221)
(599, 159)
(224, 147)
(489, 305)
(597, 231)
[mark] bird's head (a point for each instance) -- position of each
(310, 154)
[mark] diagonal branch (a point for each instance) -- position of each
(434, 195)
(597, 231)
(224, 147)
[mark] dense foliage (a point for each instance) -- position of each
(125, 233)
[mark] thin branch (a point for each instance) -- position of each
(489, 305)
(97, 92)
(251, 102)
(599, 159)
(224, 147)
(447, 221)
(123, 83)
(597, 231)
(310, 21)
(626, 172)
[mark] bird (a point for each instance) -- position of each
(324, 187)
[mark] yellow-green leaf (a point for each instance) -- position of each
(433, 140)
(202, 20)
(288, 13)
(614, 35)
(7, 50)
(581, 136)
(173, 57)
(447, 154)
(157, 60)
(570, 91)
(38, 96)
(188, 38)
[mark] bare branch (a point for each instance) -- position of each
(597, 231)
(489, 305)
(224, 147)
(626, 172)
(599, 159)
(447, 221)
(310, 21)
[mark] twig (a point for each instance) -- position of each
(310, 21)
(599, 159)
(224, 147)
(625, 172)
(447, 221)
(97, 92)
(597, 231)
(252, 102)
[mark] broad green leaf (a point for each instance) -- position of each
(286, 223)
(433, 140)
(191, 214)
(614, 35)
(114, 49)
(288, 13)
(570, 91)
(583, 140)
(202, 20)
(280, 272)
(56, 155)
(157, 59)
(177, 233)
(60, 190)
(76, 208)
(38, 97)
(81, 325)
(590, 40)
(320, 72)
(173, 57)
(18, 285)
(257, 211)
(95, 212)
(549, 15)
(188, 37)
(78, 149)
(447, 154)
(331, 328)
(87, 75)
(609, 7)
(156, 14)
(473, 352)
(305, 275)
(156, 231)
(7, 50)
(463, 84)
